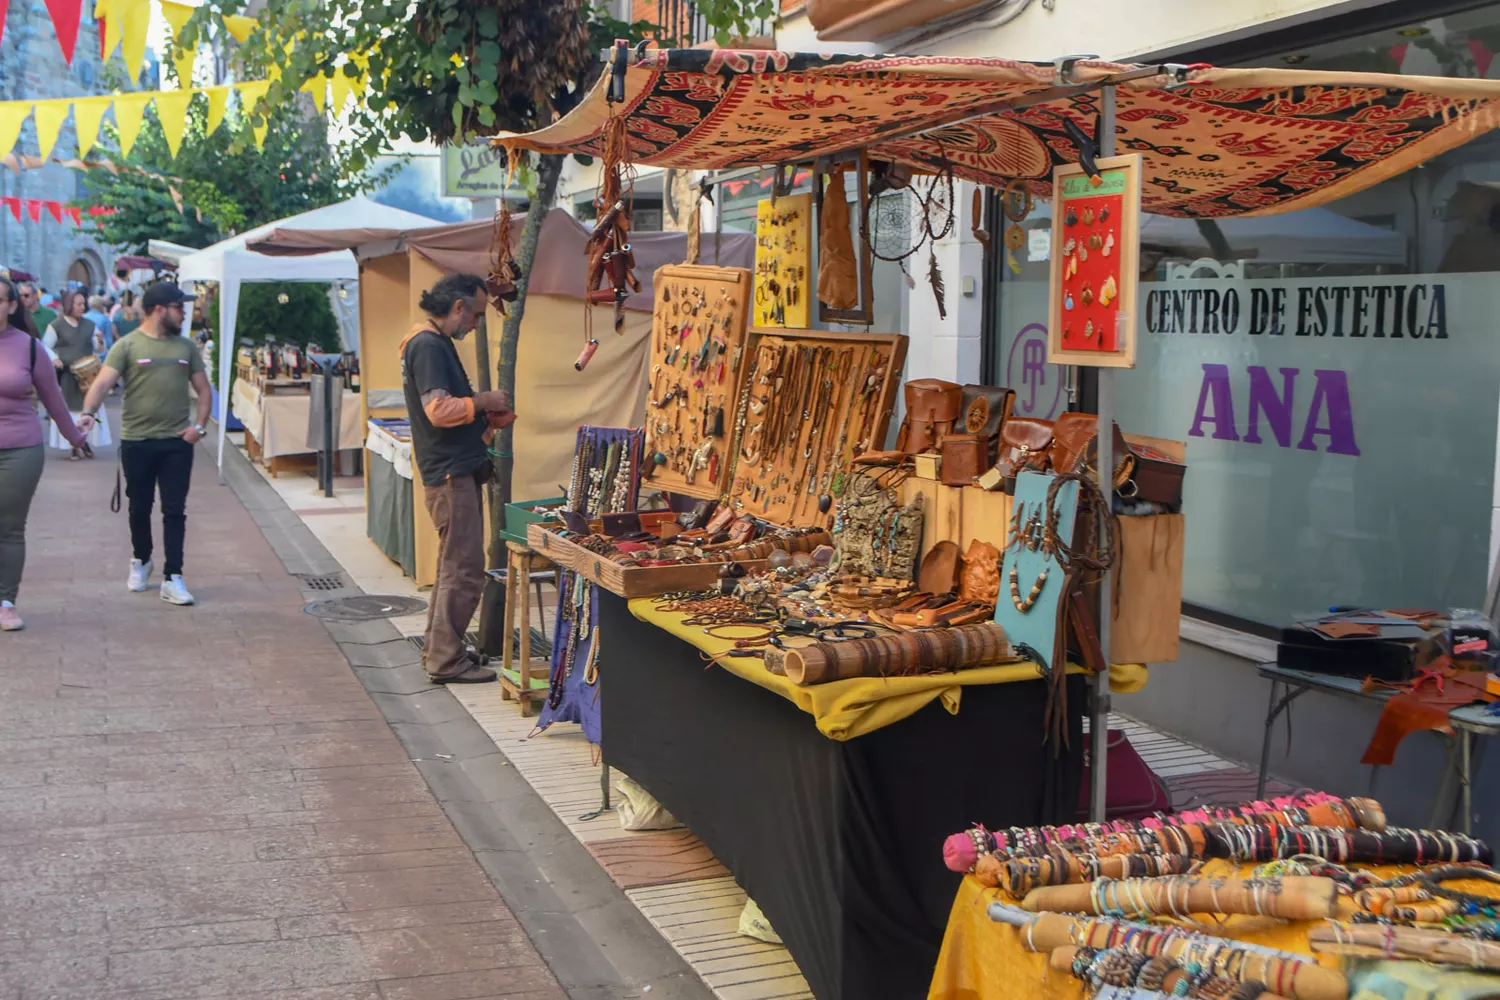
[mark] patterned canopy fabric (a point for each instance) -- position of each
(1216, 142)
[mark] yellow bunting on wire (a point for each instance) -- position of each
(113, 33)
(239, 26)
(318, 88)
(251, 93)
(129, 110)
(135, 23)
(48, 117)
(177, 15)
(171, 115)
(12, 115)
(218, 105)
(88, 112)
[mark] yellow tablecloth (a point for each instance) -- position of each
(985, 960)
(845, 709)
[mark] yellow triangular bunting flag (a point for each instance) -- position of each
(251, 93)
(129, 109)
(218, 103)
(343, 86)
(239, 26)
(171, 114)
(49, 118)
(177, 15)
(135, 23)
(87, 113)
(318, 88)
(259, 131)
(104, 10)
(12, 116)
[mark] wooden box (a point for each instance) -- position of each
(626, 581)
(697, 366)
(815, 399)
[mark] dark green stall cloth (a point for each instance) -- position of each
(389, 513)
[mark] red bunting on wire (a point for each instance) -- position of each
(75, 213)
(66, 17)
(2, 20)
(34, 209)
(14, 204)
(54, 209)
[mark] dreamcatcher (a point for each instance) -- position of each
(887, 221)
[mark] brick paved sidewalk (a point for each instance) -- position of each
(204, 802)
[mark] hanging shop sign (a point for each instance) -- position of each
(783, 261)
(477, 171)
(1095, 264)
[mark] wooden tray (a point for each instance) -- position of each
(626, 581)
(695, 305)
(855, 411)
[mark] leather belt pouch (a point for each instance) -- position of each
(964, 457)
(932, 406)
(616, 525)
(1023, 445)
(1075, 448)
(985, 410)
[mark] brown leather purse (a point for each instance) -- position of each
(965, 456)
(1074, 450)
(985, 410)
(932, 406)
(1023, 445)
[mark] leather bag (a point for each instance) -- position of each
(932, 406)
(1151, 475)
(1131, 789)
(1024, 442)
(985, 410)
(965, 456)
(1074, 450)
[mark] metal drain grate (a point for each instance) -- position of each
(325, 581)
(364, 607)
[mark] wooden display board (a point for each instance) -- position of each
(1091, 313)
(697, 353)
(813, 401)
(783, 261)
(627, 581)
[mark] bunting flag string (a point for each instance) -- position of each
(34, 207)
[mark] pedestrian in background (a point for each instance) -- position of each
(31, 301)
(157, 437)
(25, 372)
(70, 339)
(128, 316)
(450, 426)
(104, 328)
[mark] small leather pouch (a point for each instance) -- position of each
(741, 530)
(932, 406)
(985, 410)
(964, 457)
(575, 522)
(616, 525)
(1150, 474)
(698, 517)
(720, 520)
(940, 568)
(1023, 445)
(1075, 448)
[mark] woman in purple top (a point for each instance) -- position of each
(25, 372)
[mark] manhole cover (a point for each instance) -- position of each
(365, 607)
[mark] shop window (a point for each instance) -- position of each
(1336, 373)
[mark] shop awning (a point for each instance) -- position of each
(1216, 142)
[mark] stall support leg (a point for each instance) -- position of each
(1265, 745)
(1099, 704)
(508, 638)
(522, 574)
(604, 805)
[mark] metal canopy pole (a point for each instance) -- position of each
(1099, 695)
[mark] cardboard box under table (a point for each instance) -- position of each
(829, 804)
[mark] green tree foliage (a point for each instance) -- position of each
(217, 184)
(305, 319)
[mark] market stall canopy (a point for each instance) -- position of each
(1216, 142)
(465, 246)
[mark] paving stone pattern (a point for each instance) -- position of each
(204, 802)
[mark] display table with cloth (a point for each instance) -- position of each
(985, 960)
(829, 805)
(276, 425)
(389, 497)
(1462, 758)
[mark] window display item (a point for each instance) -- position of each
(697, 366)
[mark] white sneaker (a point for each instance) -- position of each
(140, 575)
(174, 591)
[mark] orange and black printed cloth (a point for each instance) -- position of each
(1216, 142)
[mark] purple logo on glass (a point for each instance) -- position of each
(1038, 385)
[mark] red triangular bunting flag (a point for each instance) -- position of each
(54, 209)
(66, 16)
(2, 20)
(75, 213)
(14, 204)
(34, 209)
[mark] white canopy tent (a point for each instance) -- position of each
(230, 264)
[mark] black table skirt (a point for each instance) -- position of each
(840, 843)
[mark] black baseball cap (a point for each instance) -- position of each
(164, 293)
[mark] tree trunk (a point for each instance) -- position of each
(549, 170)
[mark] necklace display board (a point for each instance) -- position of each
(697, 366)
(813, 400)
(783, 261)
(1031, 578)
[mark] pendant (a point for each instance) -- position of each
(1072, 266)
(1068, 301)
(1088, 216)
(1104, 214)
(1109, 244)
(1088, 294)
(1088, 330)
(1071, 218)
(1083, 252)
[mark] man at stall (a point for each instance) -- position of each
(450, 430)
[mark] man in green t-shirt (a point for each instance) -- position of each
(31, 301)
(156, 439)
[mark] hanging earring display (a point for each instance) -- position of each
(698, 342)
(783, 260)
(1095, 277)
